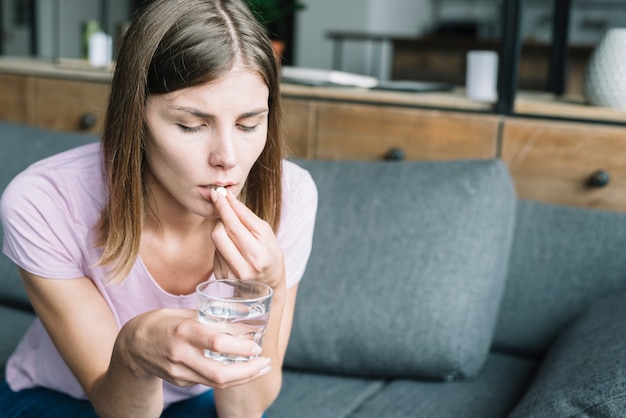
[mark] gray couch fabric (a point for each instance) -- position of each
(407, 268)
(584, 372)
(490, 394)
(562, 259)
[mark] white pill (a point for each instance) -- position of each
(222, 190)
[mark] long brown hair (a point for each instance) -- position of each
(171, 45)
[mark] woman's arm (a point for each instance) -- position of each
(246, 248)
(252, 399)
(121, 371)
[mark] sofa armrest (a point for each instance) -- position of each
(584, 372)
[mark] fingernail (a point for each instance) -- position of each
(265, 370)
(257, 350)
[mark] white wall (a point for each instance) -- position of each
(397, 17)
(589, 20)
(60, 24)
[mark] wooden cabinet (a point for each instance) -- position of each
(53, 103)
(69, 105)
(349, 131)
(574, 164)
(16, 98)
(300, 124)
(568, 163)
(374, 132)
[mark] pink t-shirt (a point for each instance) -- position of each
(48, 214)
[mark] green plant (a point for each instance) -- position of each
(273, 14)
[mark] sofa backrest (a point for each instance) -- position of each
(562, 258)
(407, 269)
(21, 146)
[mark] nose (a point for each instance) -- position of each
(223, 152)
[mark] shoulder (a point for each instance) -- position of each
(297, 179)
(63, 181)
(299, 197)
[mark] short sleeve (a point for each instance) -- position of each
(39, 233)
(295, 233)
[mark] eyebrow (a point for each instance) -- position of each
(204, 115)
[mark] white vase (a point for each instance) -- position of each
(605, 76)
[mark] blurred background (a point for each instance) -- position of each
(389, 39)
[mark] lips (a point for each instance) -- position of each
(220, 188)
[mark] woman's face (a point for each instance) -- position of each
(203, 137)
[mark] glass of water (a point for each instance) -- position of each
(236, 307)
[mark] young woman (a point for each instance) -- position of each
(111, 239)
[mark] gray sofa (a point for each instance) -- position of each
(431, 292)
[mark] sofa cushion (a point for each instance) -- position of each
(13, 325)
(584, 372)
(407, 268)
(492, 394)
(562, 258)
(24, 145)
(313, 395)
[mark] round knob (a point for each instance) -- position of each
(599, 179)
(87, 121)
(394, 154)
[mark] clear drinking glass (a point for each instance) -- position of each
(236, 307)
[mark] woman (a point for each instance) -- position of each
(112, 240)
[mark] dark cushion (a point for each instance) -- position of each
(407, 268)
(584, 372)
(13, 325)
(562, 259)
(22, 146)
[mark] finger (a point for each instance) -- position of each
(244, 213)
(221, 376)
(197, 368)
(243, 226)
(247, 217)
(228, 259)
(212, 337)
(238, 246)
(212, 372)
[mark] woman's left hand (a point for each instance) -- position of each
(245, 245)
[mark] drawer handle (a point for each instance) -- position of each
(598, 179)
(87, 121)
(394, 154)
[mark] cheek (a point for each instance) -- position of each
(172, 162)
(258, 146)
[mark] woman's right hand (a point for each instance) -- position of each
(170, 343)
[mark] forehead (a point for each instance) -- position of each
(238, 86)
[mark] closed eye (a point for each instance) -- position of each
(188, 129)
(248, 128)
